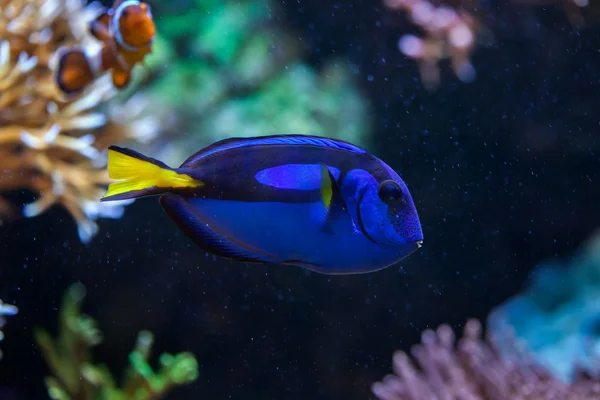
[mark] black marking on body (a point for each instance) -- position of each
(230, 174)
(361, 224)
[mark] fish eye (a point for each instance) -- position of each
(389, 191)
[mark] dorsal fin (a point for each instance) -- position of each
(233, 143)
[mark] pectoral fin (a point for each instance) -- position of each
(332, 199)
(205, 236)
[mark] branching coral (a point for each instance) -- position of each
(52, 145)
(76, 377)
(448, 33)
(5, 310)
(452, 29)
(473, 370)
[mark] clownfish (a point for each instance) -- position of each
(127, 32)
(318, 203)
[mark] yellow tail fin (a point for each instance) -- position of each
(138, 175)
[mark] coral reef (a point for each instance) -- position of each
(228, 70)
(51, 145)
(77, 377)
(541, 344)
(558, 315)
(5, 310)
(473, 370)
(449, 33)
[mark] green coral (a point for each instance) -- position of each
(75, 376)
(296, 101)
(228, 70)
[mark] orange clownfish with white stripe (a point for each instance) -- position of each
(127, 32)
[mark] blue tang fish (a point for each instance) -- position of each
(308, 201)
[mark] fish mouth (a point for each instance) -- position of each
(419, 243)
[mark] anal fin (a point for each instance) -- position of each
(303, 264)
(205, 237)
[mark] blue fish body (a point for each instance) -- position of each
(313, 202)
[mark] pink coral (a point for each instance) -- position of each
(447, 33)
(473, 370)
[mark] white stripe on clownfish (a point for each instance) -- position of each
(115, 27)
(121, 60)
(94, 58)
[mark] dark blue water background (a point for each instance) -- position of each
(505, 173)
